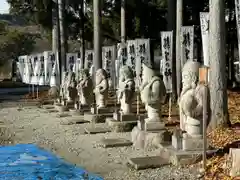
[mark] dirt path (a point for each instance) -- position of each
(34, 125)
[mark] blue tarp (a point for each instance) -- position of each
(28, 162)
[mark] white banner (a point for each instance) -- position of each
(122, 54)
(55, 76)
(47, 66)
(88, 59)
(71, 62)
(131, 54)
(78, 65)
(109, 57)
(167, 48)
(237, 10)
(21, 66)
(41, 80)
(35, 62)
(27, 71)
(143, 54)
(117, 68)
(204, 21)
(187, 44)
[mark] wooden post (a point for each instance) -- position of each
(170, 107)
(203, 78)
(33, 91)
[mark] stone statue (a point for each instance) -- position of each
(126, 89)
(71, 87)
(85, 88)
(63, 87)
(101, 88)
(152, 131)
(122, 53)
(191, 99)
(152, 92)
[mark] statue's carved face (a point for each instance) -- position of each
(125, 73)
(100, 75)
(188, 78)
(146, 73)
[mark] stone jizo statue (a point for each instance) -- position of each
(71, 87)
(126, 89)
(63, 87)
(85, 88)
(191, 100)
(101, 88)
(152, 91)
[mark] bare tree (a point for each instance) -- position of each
(218, 80)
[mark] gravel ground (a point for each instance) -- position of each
(35, 125)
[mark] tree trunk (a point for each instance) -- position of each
(123, 28)
(97, 61)
(63, 40)
(172, 27)
(178, 45)
(55, 29)
(56, 47)
(218, 80)
(82, 50)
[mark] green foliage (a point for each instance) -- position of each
(145, 18)
(14, 43)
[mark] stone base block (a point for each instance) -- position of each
(181, 157)
(76, 112)
(141, 163)
(109, 143)
(177, 139)
(70, 104)
(145, 139)
(61, 108)
(96, 130)
(96, 118)
(120, 126)
(72, 120)
(84, 107)
(192, 143)
(48, 107)
(101, 110)
(124, 117)
(151, 126)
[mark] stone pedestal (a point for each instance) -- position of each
(124, 117)
(177, 139)
(60, 108)
(151, 126)
(70, 104)
(98, 115)
(75, 112)
(190, 143)
(149, 139)
(102, 110)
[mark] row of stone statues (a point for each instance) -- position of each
(151, 92)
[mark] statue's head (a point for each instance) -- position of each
(190, 74)
(125, 73)
(101, 74)
(147, 72)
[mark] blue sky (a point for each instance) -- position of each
(4, 6)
